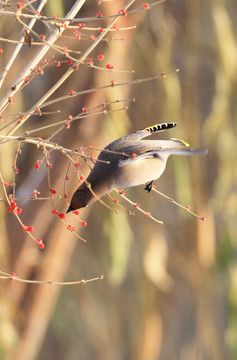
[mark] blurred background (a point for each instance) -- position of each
(169, 292)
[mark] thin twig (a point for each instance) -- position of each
(186, 208)
(19, 46)
(69, 71)
(129, 212)
(13, 277)
(136, 205)
(111, 85)
(37, 58)
(92, 18)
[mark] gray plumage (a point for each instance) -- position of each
(146, 161)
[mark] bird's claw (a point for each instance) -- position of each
(148, 186)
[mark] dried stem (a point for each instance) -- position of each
(136, 205)
(42, 52)
(85, 19)
(27, 71)
(186, 208)
(129, 212)
(13, 277)
(19, 46)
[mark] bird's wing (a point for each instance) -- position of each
(146, 149)
(135, 137)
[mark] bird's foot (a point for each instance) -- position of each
(148, 186)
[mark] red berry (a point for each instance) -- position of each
(121, 192)
(147, 214)
(67, 124)
(53, 191)
(18, 211)
(100, 57)
(204, 218)
(84, 109)
(24, 228)
(123, 12)
(188, 207)
(42, 36)
(76, 212)
(36, 166)
(54, 212)
(99, 14)
(146, 6)
(13, 204)
(9, 209)
(136, 205)
(1, 51)
(116, 201)
(61, 215)
(12, 276)
(41, 246)
(109, 66)
(84, 223)
(71, 228)
(30, 228)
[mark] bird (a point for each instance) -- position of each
(130, 161)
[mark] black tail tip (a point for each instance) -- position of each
(69, 209)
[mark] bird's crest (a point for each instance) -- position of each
(160, 127)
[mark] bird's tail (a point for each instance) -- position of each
(185, 151)
(160, 127)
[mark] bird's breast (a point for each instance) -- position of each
(140, 171)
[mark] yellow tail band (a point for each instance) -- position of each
(160, 127)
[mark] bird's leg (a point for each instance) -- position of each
(148, 186)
